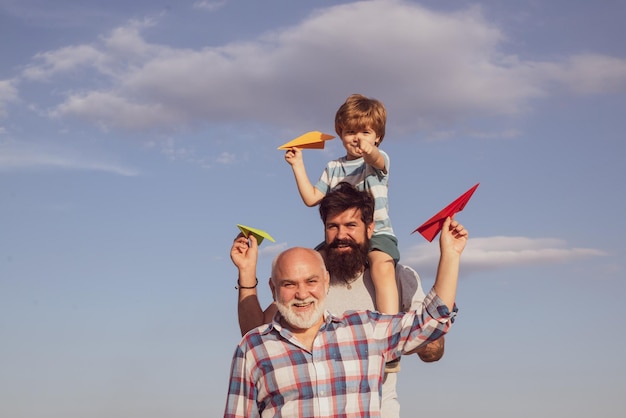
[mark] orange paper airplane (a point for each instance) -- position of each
(313, 140)
(258, 234)
(431, 227)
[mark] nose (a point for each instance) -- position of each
(301, 292)
(343, 232)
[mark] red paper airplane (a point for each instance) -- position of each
(431, 227)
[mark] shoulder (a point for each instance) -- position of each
(356, 317)
(406, 273)
(409, 287)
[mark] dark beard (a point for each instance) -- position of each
(344, 265)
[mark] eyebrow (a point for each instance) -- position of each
(289, 280)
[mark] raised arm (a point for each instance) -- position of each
(244, 254)
(451, 244)
(310, 195)
(372, 155)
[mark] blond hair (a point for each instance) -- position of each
(359, 112)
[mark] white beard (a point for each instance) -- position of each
(301, 320)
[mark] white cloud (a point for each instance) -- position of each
(71, 58)
(114, 56)
(272, 251)
(15, 156)
(499, 252)
(208, 5)
(590, 74)
(438, 66)
(8, 94)
(110, 110)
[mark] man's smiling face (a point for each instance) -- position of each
(300, 283)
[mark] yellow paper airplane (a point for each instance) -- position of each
(258, 234)
(313, 140)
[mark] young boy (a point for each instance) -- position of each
(360, 123)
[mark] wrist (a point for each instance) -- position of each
(244, 285)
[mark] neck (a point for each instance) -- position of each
(305, 335)
(340, 278)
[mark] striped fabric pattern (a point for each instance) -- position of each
(363, 177)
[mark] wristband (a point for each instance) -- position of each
(239, 286)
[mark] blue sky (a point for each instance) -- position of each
(134, 136)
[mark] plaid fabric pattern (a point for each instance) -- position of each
(273, 375)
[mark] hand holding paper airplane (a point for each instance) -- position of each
(258, 234)
(312, 140)
(431, 227)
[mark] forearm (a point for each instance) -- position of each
(426, 327)
(309, 194)
(375, 159)
(248, 307)
(249, 310)
(447, 278)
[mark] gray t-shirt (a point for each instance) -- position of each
(360, 294)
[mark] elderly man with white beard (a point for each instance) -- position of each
(310, 363)
(348, 218)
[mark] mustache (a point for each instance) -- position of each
(343, 242)
(310, 299)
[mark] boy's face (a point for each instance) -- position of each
(353, 139)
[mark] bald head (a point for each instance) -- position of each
(297, 257)
(300, 283)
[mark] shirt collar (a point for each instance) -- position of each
(276, 326)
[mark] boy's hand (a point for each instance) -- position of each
(293, 156)
(365, 146)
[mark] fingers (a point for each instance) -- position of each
(252, 241)
(292, 152)
(455, 228)
(242, 241)
(458, 230)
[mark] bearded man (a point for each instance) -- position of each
(310, 363)
(348, 217)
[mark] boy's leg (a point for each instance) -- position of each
(383, 272)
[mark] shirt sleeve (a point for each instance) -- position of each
(241, 399)
(405, 332)
(323, 184)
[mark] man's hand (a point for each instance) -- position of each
(244, 253)
(453, 237)
(432, 351)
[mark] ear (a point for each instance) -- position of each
(271, 282)
(327, 281)
(370, 230)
